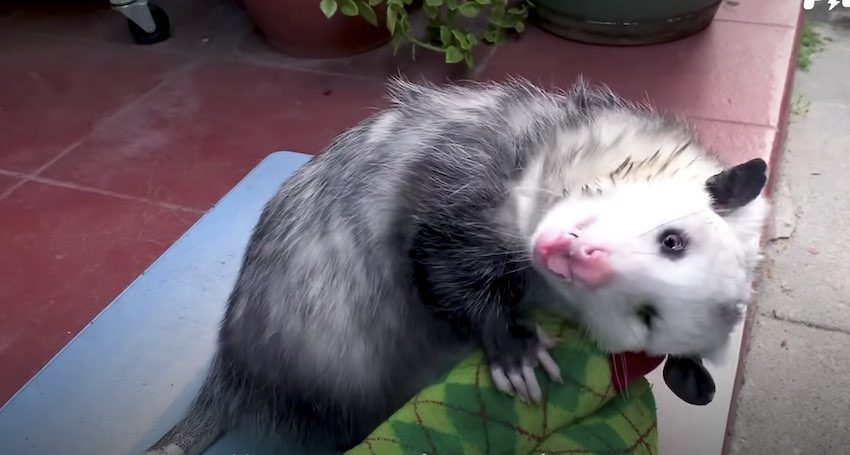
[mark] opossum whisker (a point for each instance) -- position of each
(523, 253)
(541, 190)
(508, 235)
(625, 378)
(696, 212)
(616, 371)
(517, 270)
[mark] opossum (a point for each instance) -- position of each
(432, 227)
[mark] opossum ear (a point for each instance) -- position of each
(689, 380)
(737, 186)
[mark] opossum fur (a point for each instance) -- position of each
(410, 239)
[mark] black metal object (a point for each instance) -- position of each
(147, 22)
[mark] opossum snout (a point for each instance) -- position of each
(568, 256)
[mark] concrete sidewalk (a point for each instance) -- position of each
(796, 393)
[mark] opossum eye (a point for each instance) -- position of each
(647, 314)
(673, 243)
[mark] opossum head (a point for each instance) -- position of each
(663, 267)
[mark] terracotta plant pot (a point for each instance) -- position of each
(298, 28)
(624, 22)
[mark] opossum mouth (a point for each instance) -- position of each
(592, 271)
(560, 266)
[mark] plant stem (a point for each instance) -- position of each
(426, 45)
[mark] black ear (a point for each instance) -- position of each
(689, 380)
(737, 186)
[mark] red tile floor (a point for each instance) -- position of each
(110, 150)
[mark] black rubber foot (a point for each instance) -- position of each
(161, 33)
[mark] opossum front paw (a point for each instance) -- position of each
(514, 359)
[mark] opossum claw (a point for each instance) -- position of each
(534, 391)
(519, 385)
(501, 381)
(513, 366)
(545, 341)
(550, 366)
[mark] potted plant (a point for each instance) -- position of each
(453, 27)
(624, 22)
(298, 27)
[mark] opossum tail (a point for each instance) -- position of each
(205, 422)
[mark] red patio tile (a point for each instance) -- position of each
(761, 11)
(54, 91)
(731, 71)
(194, 138)
(195, 24)
(735, 142)
(6, 182)
(66, 255)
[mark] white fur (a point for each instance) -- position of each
(691, 292)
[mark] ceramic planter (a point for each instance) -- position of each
(298, 28)
(624, 22)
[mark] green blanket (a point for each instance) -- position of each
(463, 413)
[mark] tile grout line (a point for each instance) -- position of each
(237, 58)
(482, 64)
(110, 45)
(767, 24)
(810, 325)
(736, 122)
(126, 107)
(14, 187)
(294, 67)
(20, 175)
(89, 189)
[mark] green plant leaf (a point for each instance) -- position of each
(392, 19)
(453, 54)
(483, 2)
(518, 14)
(452, 4)
(494, 35)
(434, 2)
(501, 22)
(469, 9)
(348, 7)
(470, 61)
(445, 35)
(518, 11)
(460, 38)
(519, 27)
(367, 12)
(497, 12)
(328, 8)
(375, 2)
(403, 24)
(397, 41)
(431, 11)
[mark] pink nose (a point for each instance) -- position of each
(573, 259)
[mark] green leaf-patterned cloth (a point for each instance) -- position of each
(463, 413)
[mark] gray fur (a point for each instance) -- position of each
(355, 290)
